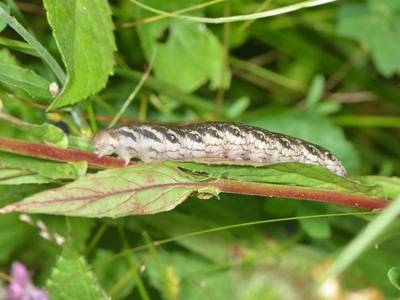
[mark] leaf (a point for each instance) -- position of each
(187, 53)
(47, 133)
(375, 24)
(25, 79)
(14, 233)
(18, 176)
(184, 276)
(7, 58)
(390, 185)
(294, 174)
(152, 188)
(394, 277)
(3, 24)
(71, 278)
(316, 91)
(83, 31)
(136, 190)
(237, 107)
(111, 273)
(48, 169)
(211, 246)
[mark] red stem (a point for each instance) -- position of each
(333, 197)
(54, 153)
(226, 186)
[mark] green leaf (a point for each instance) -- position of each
(48, 169)
(237, 107)
(394, 277)
(25, 79)
(375, 24)
(14, 233)
(182, 276)
(390, 185)
(187, 53)
(84, 34)
(47, 133)
(7, 58)
(211, 246)
(136, 190)
(18, 176)
(316, 91)
(153, 188)
(17, 46)
(71, 278)
(111, 273)
(3, 24)
(294, 174)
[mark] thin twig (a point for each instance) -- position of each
(177, 12)
(258, 15)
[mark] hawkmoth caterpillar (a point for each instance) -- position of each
(210, 140)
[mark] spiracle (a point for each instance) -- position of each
(215, 140)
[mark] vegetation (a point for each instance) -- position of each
(87, 228)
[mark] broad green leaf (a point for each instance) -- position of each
(136, 190)
(48, 169)
(153, 188)
(25, 79)
(394, 277)
(285, 173)
(18, 176)
(375, 24)
(72, 278)
(187, 53)
(84, 34)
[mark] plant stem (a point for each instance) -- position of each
(225, 186)
(254, 16)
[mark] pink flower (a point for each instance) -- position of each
(21, 286)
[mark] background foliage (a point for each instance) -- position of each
(328, 74)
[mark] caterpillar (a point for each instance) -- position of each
(211, 140)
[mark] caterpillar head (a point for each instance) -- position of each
(104, 143)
